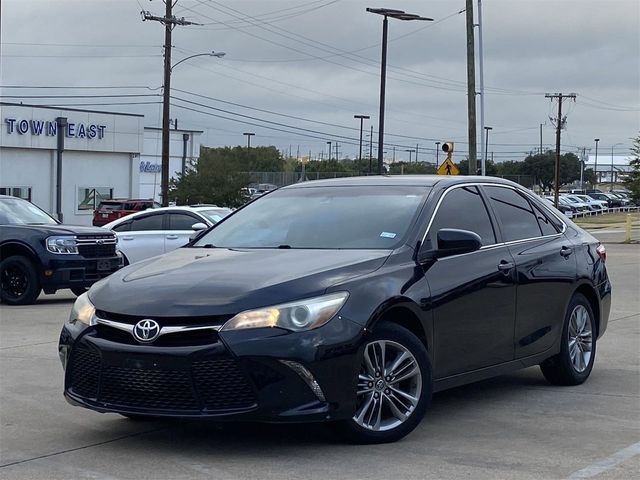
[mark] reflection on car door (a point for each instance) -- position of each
(545, 266)
(144, 239)
(473, 295)
(179, 229)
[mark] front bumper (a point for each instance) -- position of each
(236, 375)
(76, 271)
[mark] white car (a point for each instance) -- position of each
(597, 204)
(154, 232)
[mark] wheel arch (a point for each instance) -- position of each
(591, 295)
(11, 248)
(405, 313)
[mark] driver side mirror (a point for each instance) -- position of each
(199, 226)
(451, 241)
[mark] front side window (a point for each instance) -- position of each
(341, 217)
(463, 208)
(516, 214)
(182, 221)
(90, 197)
(150, 222)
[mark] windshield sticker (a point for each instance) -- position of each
(388, 235)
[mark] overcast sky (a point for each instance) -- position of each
(319, 61)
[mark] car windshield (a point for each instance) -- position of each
(111, 206)
(215, 214)
(354, 217)
(15, 211)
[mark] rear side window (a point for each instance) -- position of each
(463, 208)
(150, 222)
(516, 214)
(546, 223)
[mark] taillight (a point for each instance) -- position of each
(602, 252)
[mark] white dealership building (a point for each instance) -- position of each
(102, 155)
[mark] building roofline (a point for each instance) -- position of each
(175, 129)
(70, 109)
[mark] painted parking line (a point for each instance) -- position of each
(607, 463)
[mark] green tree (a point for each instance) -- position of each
(542, 168)
(632, 179)
(217, 177)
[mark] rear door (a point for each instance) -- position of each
(472, 295)
(144, 237)
(179, 229)
(545, 266)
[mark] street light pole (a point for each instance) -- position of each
(329, 143)
(362, 118)
(248, 135)
(409, 150)
(486, 150)
(595, 168)
(612, 147)
(437, 153)
(399, 15)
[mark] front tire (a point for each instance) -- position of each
(573, 365)
(19, 284)
(393, 387)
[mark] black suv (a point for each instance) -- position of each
(38, 253)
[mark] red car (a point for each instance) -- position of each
(110, 210)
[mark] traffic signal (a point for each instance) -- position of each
(447, 147)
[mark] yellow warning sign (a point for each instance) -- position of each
(448, 168)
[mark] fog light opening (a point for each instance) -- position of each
(48, 273)
(308, 378)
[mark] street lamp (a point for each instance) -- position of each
(399, 15)
(166, 99)
(612, 147)
(248, 135)
(595, 168)
(410, 151)
(362, 118)
(437, 152)
(486, 150)
(207, 54)
(329, 143)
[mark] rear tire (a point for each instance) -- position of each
(19, 281)
(393, 387)
(573, 365)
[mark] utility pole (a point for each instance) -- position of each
(541, 152)
(559, 124)
(370, 148)
(248, 135)
(329, 143)
(595, 168)
(416, 153)
(409, 150)
(483, 154)
(471, 88)
(169, 22)
(337, 157)
(362, 118)
(394, 155)
(437, 153)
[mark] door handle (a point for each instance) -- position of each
(126, 238)
(172, 237)
(505, 266)
(566, 251)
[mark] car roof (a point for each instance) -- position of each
(401, 180)
(155, 210)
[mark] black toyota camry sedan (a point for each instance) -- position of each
(349, 301)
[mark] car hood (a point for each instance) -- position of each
(48, 230)
(219, 281)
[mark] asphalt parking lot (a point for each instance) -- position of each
(512, 427)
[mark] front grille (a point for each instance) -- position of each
(208, 385)
(145, 388)
(97, 251)
(84, 369)
(210, 320)
(222, 385)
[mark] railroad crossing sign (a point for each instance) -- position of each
(448, 168)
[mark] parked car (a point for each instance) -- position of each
(261, 189)
(624, 200)
(612, 202)
(575, 208)
(597, 205)
(154, 232)
(110, 210)
(347, 300)
(38, 253)
(587, 206)
(564, 209)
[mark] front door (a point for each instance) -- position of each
(472, 295)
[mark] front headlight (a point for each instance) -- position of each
(63, 244)
(83, 311)
(295, 316)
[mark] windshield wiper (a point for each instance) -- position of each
(284, 246)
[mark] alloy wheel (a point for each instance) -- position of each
(389, 386)
(14, 281)
(580, 338)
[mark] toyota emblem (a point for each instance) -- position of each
(146, 331)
